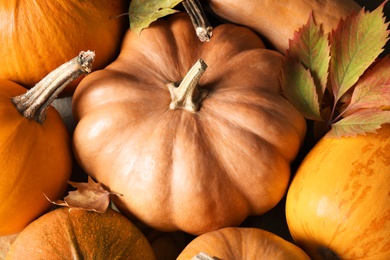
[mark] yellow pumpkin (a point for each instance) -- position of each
(241, 243)
(338, 204)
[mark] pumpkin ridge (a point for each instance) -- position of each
(261, 137)
(218, 164)
(75, 249)
(240, 184)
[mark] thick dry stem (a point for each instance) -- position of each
(34, 103)
(204, 256)
(188, 95)
(202, 26)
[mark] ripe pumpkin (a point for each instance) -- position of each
(338, 204)
(32, 31)
(278, 20)
(78, 234)
(242, 243)
(183, 163)
(35, 146)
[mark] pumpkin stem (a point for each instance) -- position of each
(188, 95)
(204, 256)
(202, 26)
(34, 103)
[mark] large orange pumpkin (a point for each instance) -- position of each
(182, 162)
(38, 36)
(242, 243)
(278, 20)
(78, 234)
(35, 147)
(338, 204)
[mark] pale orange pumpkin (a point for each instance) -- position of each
(38, 36)
(242, 243)
(35, 146)
(78, 234)
(278, 20)
(182, 160)
(338, 204)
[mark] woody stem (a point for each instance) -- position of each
(34, 103)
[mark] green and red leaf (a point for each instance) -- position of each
(357, 90)
(373, 89)
(355, 45)
(360, 122)
(298, 86)
(310, 46)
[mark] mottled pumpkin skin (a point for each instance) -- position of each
(38, 36)
(278, 20)
(340, 198)
(243, 243)
(35, 159)
(79, 234)
(179, 170)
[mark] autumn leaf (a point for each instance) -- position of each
(311, 47)
(373, 89)
(360, 122)
(298, 86)
(355, 44)
(89, 196)
(357, 88)
(143, 12)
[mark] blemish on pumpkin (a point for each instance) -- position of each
(367, 148)
(382, 154)
(359, 197)
(361, 167)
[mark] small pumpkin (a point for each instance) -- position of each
(277, 20)
(32, 31)
(188, 151)
(35, 146)
(241, 243)
(78, 234)
(338, 203)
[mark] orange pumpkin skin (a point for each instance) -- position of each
(79, 234)
(338, 203)
(32, 31)
(278, 20)
(179, 170)
(35, 159)
(243, 243)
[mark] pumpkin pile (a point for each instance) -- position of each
(202, 130)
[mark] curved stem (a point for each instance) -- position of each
(188, 95)
(202, 26)
(34, 103)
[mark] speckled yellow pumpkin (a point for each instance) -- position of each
(338, 204)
